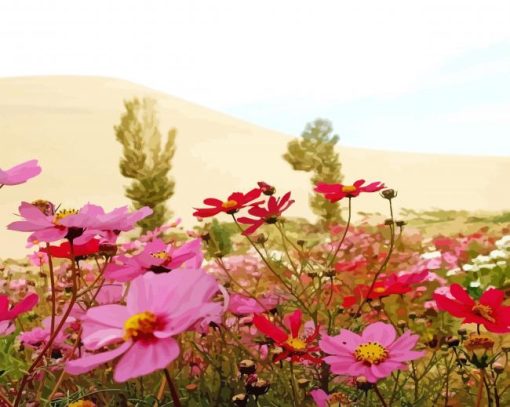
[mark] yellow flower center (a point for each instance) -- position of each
(296, 343)
(484, 311)
(229, 204)
(64, 213)
(162, 255)
(83, 403)
(379, 290)
(348, 188)
(140, 326)
(371, 353)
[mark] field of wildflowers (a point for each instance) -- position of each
(250, 308)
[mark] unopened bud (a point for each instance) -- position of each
(412, 316)
(498, 368)
(453, 341)
(247, 366)
(388, 193)
(191, 387)
(401, 324)
(388, 222)
(400, 223)
(240, 400)
(362, 383)
(303, 383)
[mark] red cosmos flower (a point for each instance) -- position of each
(235, 201)
(294, 347)
(275, 208)
(391, 285)
(335, 192)
(351, 265)
(63, 251)
(487, 311)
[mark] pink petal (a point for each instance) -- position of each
(379, 332)
(112, 315)
(87, 363)
(144, 358)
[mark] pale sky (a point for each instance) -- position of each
(402, 75)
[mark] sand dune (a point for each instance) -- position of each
(67, 123)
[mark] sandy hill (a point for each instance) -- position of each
(67, 123)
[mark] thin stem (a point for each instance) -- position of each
(328, 265)
(52, 286)
(480, 389)
(48, 345)
(173, 390)
(379, 395)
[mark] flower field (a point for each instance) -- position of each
(251, 308)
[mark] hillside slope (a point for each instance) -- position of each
(67, 123)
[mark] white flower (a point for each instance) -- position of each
(499, 254)
(431, 255)
(453, 272)
(481, 259)
(470, 267)
(503, 242)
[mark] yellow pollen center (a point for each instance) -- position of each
(484, 311)
(348, 188)
(371, 353)
(162, 255)
(140, 325)
(475, 342)
(296, 343)
(64, 213)
(83, 403)
(379, 290)
(229, 204)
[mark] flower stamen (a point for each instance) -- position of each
(371, 353)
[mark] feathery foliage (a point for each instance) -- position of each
(315, 152)
(147, 159)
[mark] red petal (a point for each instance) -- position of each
(295, 322)
(460, 294)
(269, 329)
(492, 297)
(453, 307)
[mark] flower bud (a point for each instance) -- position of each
(362, 383)
(412, 315)
(400, 223)
(303, 383)
(247, 366)
(261, 238)
(462, 331)
(401, 324)
(240, 400)
(388, 193)
(453, 341)
(266, 189)
(498, 368)
(388, 222)
(505, 348)
(376, 304)
(257, 386)
(192, 387)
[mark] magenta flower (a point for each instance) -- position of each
(19, 173)
(44, 224)
(159, 307)
(7, 315)
(335, 192)
(107, 225)
(158, 257)
(241, 305)
(375, 354)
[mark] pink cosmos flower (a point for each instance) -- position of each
(158, 257)
(240, 304)
(19, 173)
(375, 354)
(45, 225)
(107, 225)
(7, 315)
(335, 192)
(158, 307)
